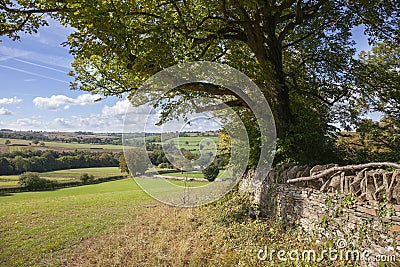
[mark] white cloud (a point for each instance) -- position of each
(4, 111)
(109, 119)
(118, 109)
(55, 102)
(125, 107)
(29, 123)
(9, 101)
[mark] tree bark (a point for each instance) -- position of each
(267, 47)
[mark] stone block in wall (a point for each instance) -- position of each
(366, 210)
(395, 219)
(395, 228)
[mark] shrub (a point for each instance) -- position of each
(86, 178)
(32, 181)
(234, 208)
(211, 172)
(165, 165)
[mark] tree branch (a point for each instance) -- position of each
(34, 10)
(206, 88)
(232, 103)
(345, 168)
(300, 14)
(227, 33)
(18, 28)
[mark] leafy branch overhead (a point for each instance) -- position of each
(300, 53)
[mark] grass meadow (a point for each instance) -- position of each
(117, 224)
(63, 175)
(197, 174)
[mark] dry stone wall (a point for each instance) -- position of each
(361, 206)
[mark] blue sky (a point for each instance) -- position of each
(34, 88)
(35, 92)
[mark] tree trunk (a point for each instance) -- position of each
(281, 97)
(268, 51)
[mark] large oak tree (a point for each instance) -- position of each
(300, 53)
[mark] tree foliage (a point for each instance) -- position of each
(211, 172)
(32, 181)
(136, 160)
(122, 164)
(86, 178)
(377, 141)
(41, 161)
(379, 76)
(300, 53)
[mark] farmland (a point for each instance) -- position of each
(34, 224)
(117, 224)
(196, 174)
(20, 144)
(63, 175)
(192, 143)
(187, 142)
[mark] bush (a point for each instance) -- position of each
(86, 178)
(211, 172)
(32, 181)
(165, 165)
(234, 208)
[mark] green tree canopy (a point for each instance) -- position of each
(136, 161)
(300, 53)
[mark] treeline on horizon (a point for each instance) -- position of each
(81, 137)
(18, 162)
(40, 136)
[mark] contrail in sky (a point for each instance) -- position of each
(39, 65)
(32, 73)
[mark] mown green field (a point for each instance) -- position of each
(117, 224)
(192, 143)
(63, 175)
(36, 225)
(197, 174)
(76, 173)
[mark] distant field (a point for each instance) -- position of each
(197, 174)
(59, 145)
(76, 173)
(188, 184)
(194, 174)
(193, 143)
(63, 175)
